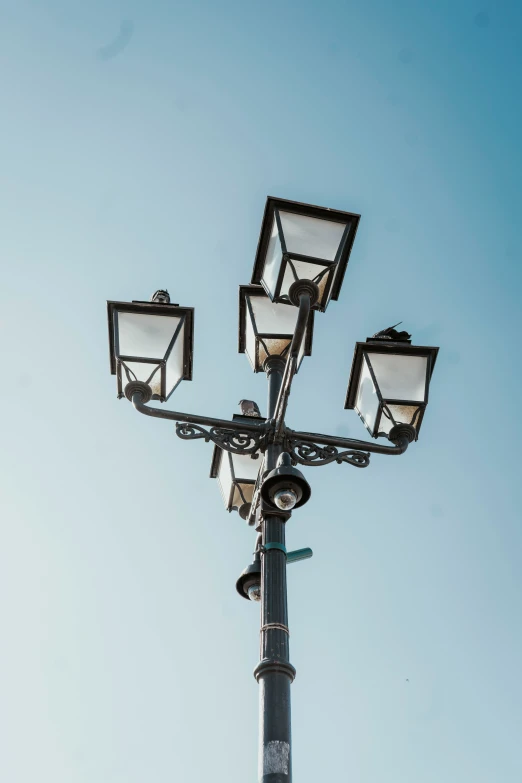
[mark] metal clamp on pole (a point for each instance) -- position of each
(273, 545)
(291, 557)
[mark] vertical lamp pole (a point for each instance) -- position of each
(274, 672)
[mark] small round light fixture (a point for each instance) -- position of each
(285, 486)
(249, 583)
(254, 592)
(285, 499)
(244, 510)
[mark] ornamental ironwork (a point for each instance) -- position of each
(234, 440)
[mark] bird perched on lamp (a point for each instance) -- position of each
(391, 333)
(160, 297)
(249, 408)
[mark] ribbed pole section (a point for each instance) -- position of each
(274, 671)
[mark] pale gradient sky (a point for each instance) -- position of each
(126, 655)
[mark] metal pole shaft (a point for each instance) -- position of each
(274, 672)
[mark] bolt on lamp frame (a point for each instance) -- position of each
(269, 441)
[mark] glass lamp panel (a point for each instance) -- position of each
(400, 377)
(305, 271)
(403, 414)
(141, 334)
(174, 364)
(225, 476)
(367, 401)
(272, 346)
(271, 317)
(245, 467)
(310, 236)
(141, 371)
(243, 493)
(250, 339)
(274, 255)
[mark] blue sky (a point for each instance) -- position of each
(141, 159)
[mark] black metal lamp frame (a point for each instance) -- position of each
(118, 361)
(245, 310)
(334, 281)
(363, 352)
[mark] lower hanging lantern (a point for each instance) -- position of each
(389, 383)
(237, 474)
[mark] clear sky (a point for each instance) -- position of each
(138, 144)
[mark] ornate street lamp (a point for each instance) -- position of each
(267, 328)
(389, 382)
(151, 342)
(300, 264)
(303, 242)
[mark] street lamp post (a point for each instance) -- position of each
(300, 264)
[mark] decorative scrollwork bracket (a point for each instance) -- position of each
(311, 454)
(233, 440)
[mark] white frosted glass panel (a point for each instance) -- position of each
(273, 258)
(400, 377)
(275, 347)
(311, 236)
(138, 371)
(245, 467)
(367, 402)
(304, 271)
(174, 366)
(225, 477)
(273, 318)
(248, 494)
(403, 414)
(250, 339)
(145, 335)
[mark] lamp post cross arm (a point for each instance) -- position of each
(243, 437)
(236, 437)
(309, 448)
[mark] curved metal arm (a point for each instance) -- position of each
(236, 437)
(311, 454)
(235, 441)
(159, 413)
(307, 448)
(296, 438)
